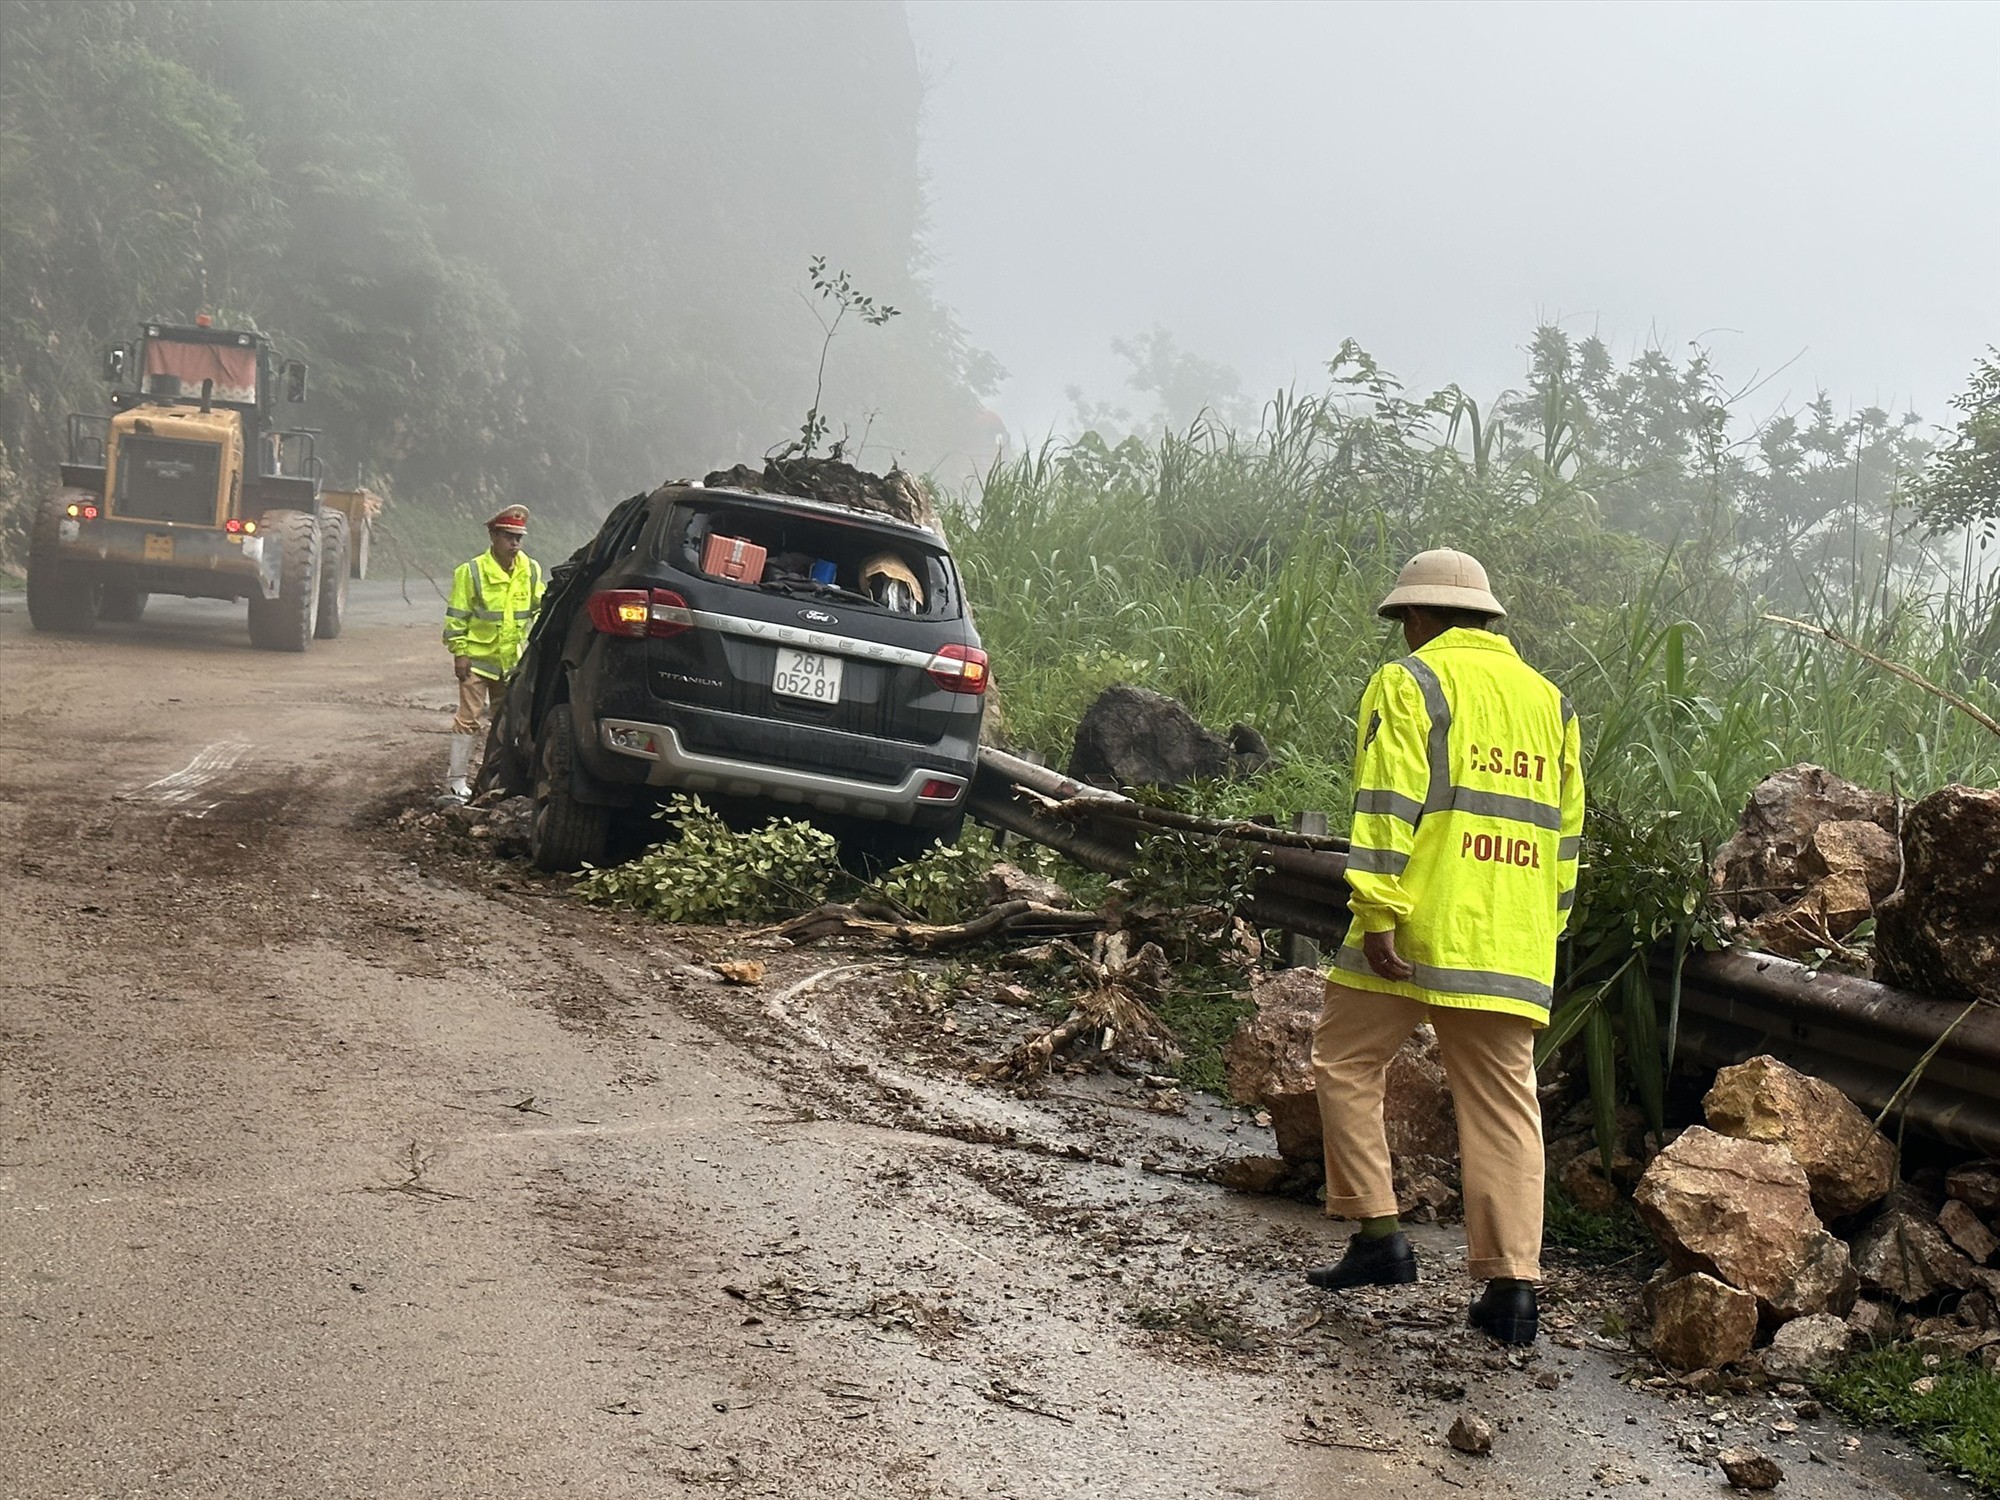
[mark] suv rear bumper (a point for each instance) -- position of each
(671, 764)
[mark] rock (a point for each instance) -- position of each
(1132, 736)
(510, 824)
(1976, 1185)
(1808, 1347)
(1906, 1256)
(1975, 1310)
(1700, 1323)
(1872, 1322)
(1740, 1210)
(1849, 1164)
(1251, 1174)
(740, 970)
(1005, 882)
(1850, 865)
(1748, 1469)
(1962, 1227)
(1940, 934)
(1417, 1112)
(1584, 1180)
(1269, 1058)
(1269, 1063)
(1950, 1338)
(1470, 1434)
(1252, 750)
(1825, 1283)
(1772, 860)
(1426, 1198)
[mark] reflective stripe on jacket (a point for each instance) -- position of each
(1468, 819)
(490, 612)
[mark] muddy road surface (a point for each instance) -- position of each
(332, 1167)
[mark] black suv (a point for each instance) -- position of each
(761, 651)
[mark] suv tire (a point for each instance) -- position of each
(333, 576)
(564, 833)
(286, 623)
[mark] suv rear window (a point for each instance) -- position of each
(808, 556)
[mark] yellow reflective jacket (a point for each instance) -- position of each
(490, 611)
(1468, 818)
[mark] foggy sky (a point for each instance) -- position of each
(1817, 184)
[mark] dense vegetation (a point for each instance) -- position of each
(533, 252)
(1636, 533)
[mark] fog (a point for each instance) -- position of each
(1813, 192)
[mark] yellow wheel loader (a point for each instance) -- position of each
(191, 487)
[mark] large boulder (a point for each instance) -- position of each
(1849, 1164)
(1940, 933)
(1269, 1062)
(1771, 861)
(1134, 737)
(1700, 1323)
(1739, 1210)
(1904, 1254)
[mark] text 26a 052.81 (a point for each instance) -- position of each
(804, 674)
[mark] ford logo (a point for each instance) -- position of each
(818, 617)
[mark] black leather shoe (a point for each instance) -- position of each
(1507, 1312)
(1388, 1261)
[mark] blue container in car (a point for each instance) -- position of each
(824, 571)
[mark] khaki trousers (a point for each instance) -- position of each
(474, 694)
(1489, 1059)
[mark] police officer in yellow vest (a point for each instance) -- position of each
(1468, 814)
(493, 602)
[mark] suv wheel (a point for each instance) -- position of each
(565, 832)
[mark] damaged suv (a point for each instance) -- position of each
(766, 652)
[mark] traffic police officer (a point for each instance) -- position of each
(1468, 815)
(493, 601)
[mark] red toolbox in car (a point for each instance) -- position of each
(732, 557)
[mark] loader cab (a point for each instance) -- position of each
(198, 364)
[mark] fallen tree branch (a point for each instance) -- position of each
(1978, 716)
(1009, 919)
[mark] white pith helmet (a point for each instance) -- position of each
(1442, 579)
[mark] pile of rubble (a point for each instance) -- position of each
(1785, 1224)
(1816, 857)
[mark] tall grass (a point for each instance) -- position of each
(1240, 574)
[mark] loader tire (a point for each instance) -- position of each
(286, 623)
(121, 605)
(565, 833)
(333, 579)
(61, 596)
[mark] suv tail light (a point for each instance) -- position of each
(637, 614)
(959, 669)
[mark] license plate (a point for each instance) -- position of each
(159, 548)
(802, 674)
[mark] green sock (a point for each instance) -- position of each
(1382, 1228)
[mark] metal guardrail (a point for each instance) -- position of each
(1862, 1037)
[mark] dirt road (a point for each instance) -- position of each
(326, 1171)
